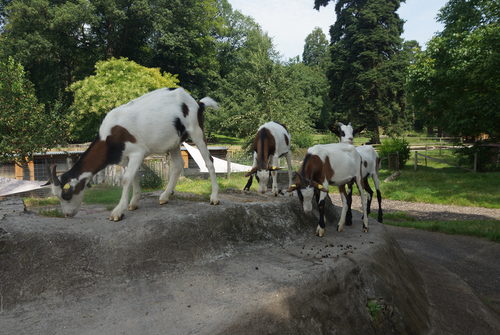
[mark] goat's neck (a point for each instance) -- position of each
(93, 160)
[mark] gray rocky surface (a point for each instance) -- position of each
(251, 265)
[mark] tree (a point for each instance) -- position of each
(454, 82)
(25, 127)
(315, 48)
(59, 42)
(367, 71)
(117, 81)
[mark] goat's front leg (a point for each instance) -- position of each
(274, 174)
(136, 193)
(320, 230)
(134, 162)
(250, 179)
(343, 195)
(175, 171)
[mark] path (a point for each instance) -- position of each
(425, 211)
(461, 277)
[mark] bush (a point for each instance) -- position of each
(302, 140)
(150, 179)
(395, 145)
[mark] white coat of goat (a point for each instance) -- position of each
(156, 122)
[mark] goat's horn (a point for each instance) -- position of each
(292, 188)
(251, 172)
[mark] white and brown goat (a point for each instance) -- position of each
(156, 122)
(369, 168)
(336, 164)
(270, 144)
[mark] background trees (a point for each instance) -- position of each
(25, 127)
(454, 83)
(363, 75)
(367, 71)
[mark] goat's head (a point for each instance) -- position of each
(306, 189)
(70, 194)
(345, 132)
(262, 176)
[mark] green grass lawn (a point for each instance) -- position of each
(441, 184)
(489, 229)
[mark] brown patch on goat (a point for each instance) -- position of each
(102, 153)
(316, 170)
(120, 135)
(185, 110)
(286, 139)
(264, 145)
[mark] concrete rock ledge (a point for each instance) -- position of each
(251, 265)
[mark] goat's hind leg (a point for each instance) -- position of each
(173, 176)
(359, 183)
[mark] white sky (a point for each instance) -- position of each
(288, 22)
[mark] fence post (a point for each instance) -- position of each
(475, 162)
(440, 146)
(415, 163)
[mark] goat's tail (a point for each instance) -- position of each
(209, 102)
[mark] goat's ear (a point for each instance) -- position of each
(358, 130)
(334, 128)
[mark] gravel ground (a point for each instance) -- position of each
(425, 211)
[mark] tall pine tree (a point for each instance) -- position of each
(368, 70)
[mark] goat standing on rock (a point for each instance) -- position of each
(157, 122)
(271, 142)
(370, 166)
(329, 164)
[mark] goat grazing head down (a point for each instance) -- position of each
(271, 142)
(69, 192)
(155, 123)
(262, 176)
(306, 189)
(345, 132)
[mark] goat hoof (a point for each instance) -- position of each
(340, 229)
(163, 202)
(115, 218)
(320, 232)
(365, 229)
(214, 202)
(132, 207)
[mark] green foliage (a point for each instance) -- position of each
(454, 83)
(315, 48)
(58, 42)
(150, 179)
(302, 140)
(117, 81)
(367, 66)
(25, 126)
(487, 156)
(395, 145)
(260, 89)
